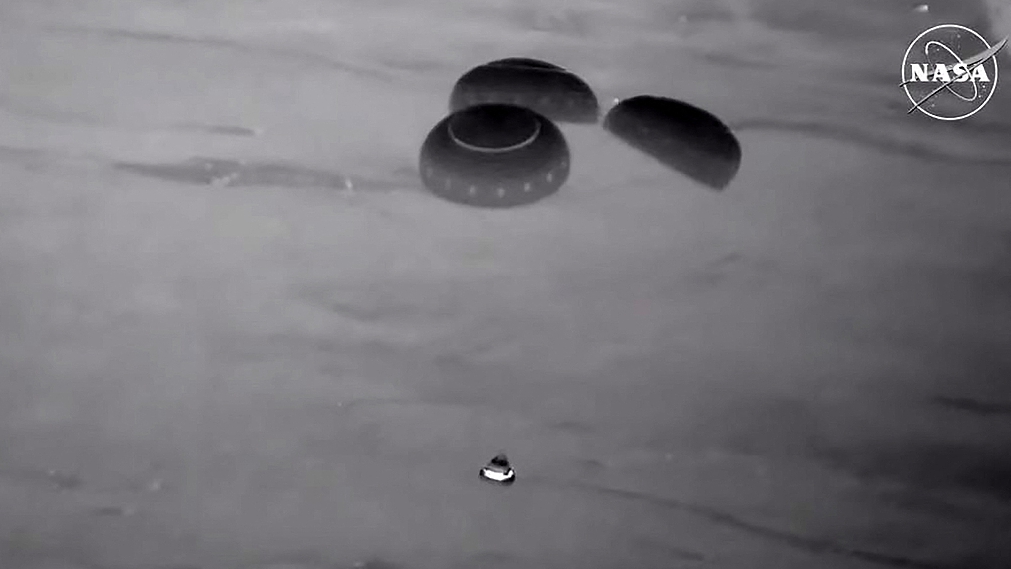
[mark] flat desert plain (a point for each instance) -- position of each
(306, 367)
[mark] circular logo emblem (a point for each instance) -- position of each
(949, 72)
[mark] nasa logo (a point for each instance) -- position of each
(949, 72)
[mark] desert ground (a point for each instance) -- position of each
(807, 370)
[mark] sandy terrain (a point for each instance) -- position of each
(305, 371)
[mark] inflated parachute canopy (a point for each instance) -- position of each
(679, 135)
(494, 155)
(546, 88)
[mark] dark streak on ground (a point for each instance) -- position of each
(929, 464)
(914, 500)
(974, 406)
(228, 130)
(33, 111)
(72, 117)
(855, 136)
(306, 560)
(54, 479)
(672, 551)
(316, 59)
(736, 61)
(239, 173)
(782, 428)
(21, 155)
(804, 543)
(20, 548)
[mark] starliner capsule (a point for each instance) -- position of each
(499, 471)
